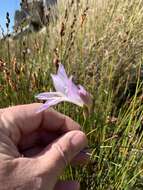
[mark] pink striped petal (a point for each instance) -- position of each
(47, 95)
(49, 103)
(85, 96)
(73, 92)
(60, 80)
(59, 84)
(82, 90)
(62, 73)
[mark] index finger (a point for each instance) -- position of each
(23, 120)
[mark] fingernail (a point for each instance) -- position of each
(79, 141)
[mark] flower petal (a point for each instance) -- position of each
(49, 103)
(59, 84)
(47, 95)
(82, 90)
(73, 94)
(72, 88)
(62, 73)
(85, 96)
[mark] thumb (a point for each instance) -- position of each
(59, 153)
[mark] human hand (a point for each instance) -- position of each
(47, 141)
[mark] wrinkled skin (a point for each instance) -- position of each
(35, 148)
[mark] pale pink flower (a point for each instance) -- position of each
(66, 90)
